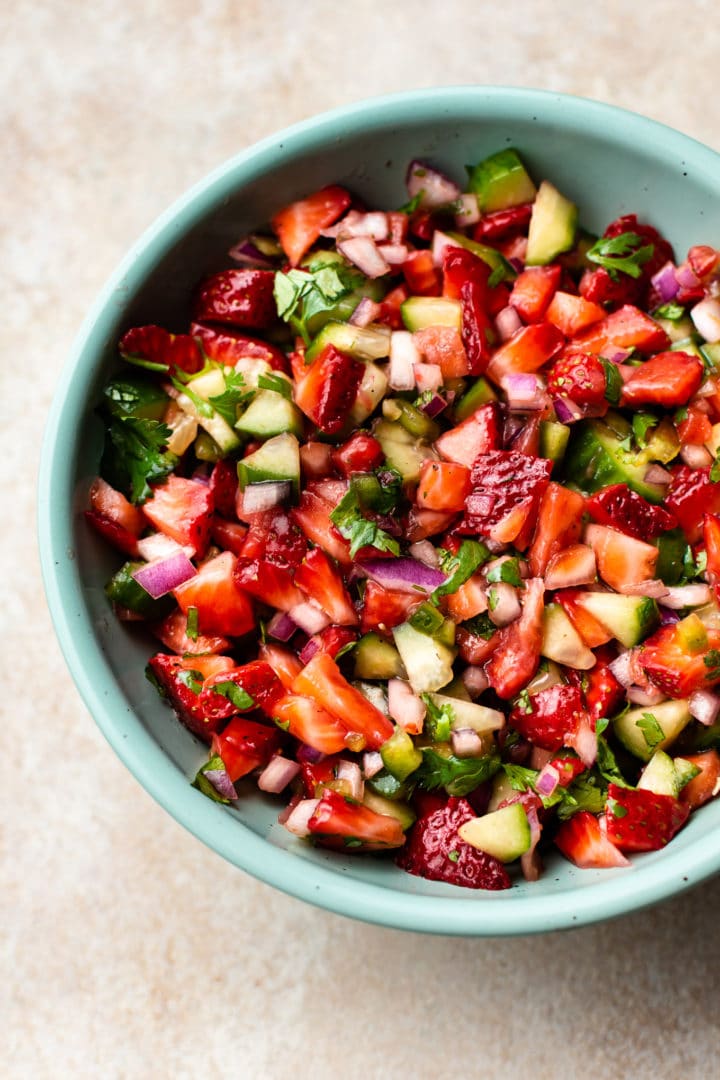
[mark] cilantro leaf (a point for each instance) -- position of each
(413, 204)
(192, 679)
(192, 623)
(351, 523)
(586, 793)
(276, 383)
(471, 554)
(607, 766)
(712, 663)
(507, 571)
(672, 312)
(214, 770)
(300, 294)
(439, 719)
(134, 455)
(715, 471)
(481, 625)
(235, 393)
(651, 729)
(203, 407)
(235, 694)
(642, 423)
(519, 777)
(459, 776)
(625, 254)
(692, 567)
(613, 381)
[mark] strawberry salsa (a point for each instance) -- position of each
(423, 509)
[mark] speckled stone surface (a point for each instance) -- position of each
(128, 949)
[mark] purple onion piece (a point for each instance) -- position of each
(434, 188)
(406, 574)
(222, 783)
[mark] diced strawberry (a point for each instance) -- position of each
(704, 786)
(435, 851)
(624, 509)
(227, 346)
(320, 580)
(384, 608)
(691, 495)
(181, 509)
(568, 767)
(228, 535)
(157, 346)
(626, 328)
(443, 346)
(621, 559)
(313, 725)
(443, 485)
(533, 290)
(517, 654)
(172, 631)
(604, 695)
(322, 680)
(478, 330)
(299, 225)
(360, 454)
(668, 379)
(582, 841)
(500, 223)
(116, 519)
(501, 480)
(273, 550)
(343, 823)
(469, 600)
(421, 274)
(316, 460)
(223, 485)
(179, 679)
(331, 640)
(559, 524)
(245, 745)
(424, 523)
(283, 661)
(668, 663)
(313, 517)
(602, 287)
(477, 435)
(591, 631)
(223, 608)
(571, 313)
(704, 261)
(328, 389)
(580, 377)
(639, 820)
(551, 715)
(695, 428)
(711, 539)
(115, 534)
(390, 314)
(474, 649)
(526, 351)
(459, 266)
(239, 297)
(256, 679)
(317, 775)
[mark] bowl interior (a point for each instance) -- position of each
(607, 161)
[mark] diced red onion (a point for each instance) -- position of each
(366, 312)
(362, 252)
(372, 763)
(619, 357)
(406, 574)
(524, 392)
(424, 552)
(707, 389)
(405, 707)
(704, 705)
(434, 406)
(159, 546)
(202, 473)
(655, 474)
(247, 253)
(222, 783)
(468, 211)
(374, 224)
(475, 680)
(434, 188)
(440, 244)
(506, 604)
(567, 411)
(309, 649)
(547, 780)
(404, 355)
(622, 668)
(265, 496)
(428, 377)
(584, 741)
(309, 754)
(653, 588)
(645, 695)
(686, 276)
(394, 254)
(665, 282)
(668, 617)
(277, 774)
(682, 596)
(517, 264)
(530, 861)
(466, 743)
(299, 819)
(281, 626)
(696, 456)
(162, 576)
(507, 323)
(309, 617)
(706, 316)
(349, 771)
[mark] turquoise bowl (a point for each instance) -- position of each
(608, 161)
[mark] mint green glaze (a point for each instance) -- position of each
(607, 161)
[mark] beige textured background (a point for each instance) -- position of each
(128, 950)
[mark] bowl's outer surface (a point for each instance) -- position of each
(610, 162)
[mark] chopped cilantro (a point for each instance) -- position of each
(523, 702)
(301, 294)
(498, 275)
(203, 784)
(482, 626)
(607, 765)
(520, 778)
(203, 407)
(616, 808)
(134, 455)
(413, 204)
(192, 623)
(275, 383)
(715, 471)
(613, 381)
(692, 567)
(601, 725)
(493, 599)
(439, 720)
(651, 729)
(672, 312)
(458, 776)
(586, 793)
(471, 554)
(507, 571)
(234, 394)
(351, 523)
(453, 856)
(624, 254)
(191, 678)
(235, 694)
(641, 423)
(712, 663)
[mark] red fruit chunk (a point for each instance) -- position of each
(257, 679)
(474, 649)
(158, 346)
(328, 389)
(384, 608)
(390, 313)
(711, 539)
(299, 225)
(282, 660)
(580, 377)
(313, 517)
(461, 266)
(238, 297)
(478, 330)
(224, 485)
(552, 715)
(568, 767)
(583, 842)
(691, 495)
(517, 653)
(443, 485)
(571, 313)
(559, 524)
(626, 328)
(421, 274)
(624, 509)
(601, 287)
(477, 435)
(172, 631)
(317, 775)
(502, 223)
(179, 679)
(591, 631)
(331, 640)
(340, 822)
(669, 379)
(443, 345)
(320, 580)
(533, 290)
(667, 662)
(500, 480)
(245, 745)
(695, 428)
(228, 535)
(181, 509)
(702, 787)
(223, 608)
(528, 350)
(361, 453)
(322, 680)
(307, 721)
(435, 851)
(227, 346)
(272, 552)
(604, 695)
(639, 820)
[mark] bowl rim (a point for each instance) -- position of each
(457, 913)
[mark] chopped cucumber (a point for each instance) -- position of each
(376, 658)
(414, 420)
(362, 342)
(402, 450)
(676, 329)
(628, 618)
(553, 440)
(371, 391)
(268, 414)
(467, 714)
(428, 662)
(501, 181)
(669, 716)
(400, 755)
(660, 775)
(671, 547)
(494, 259)
(504, 833)
(203, 387)
(277, 459)
(399, 810)
(552, 226)
(561, 641)
(595, 458)
(480, 393)
(501, 790)
(420, 312)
